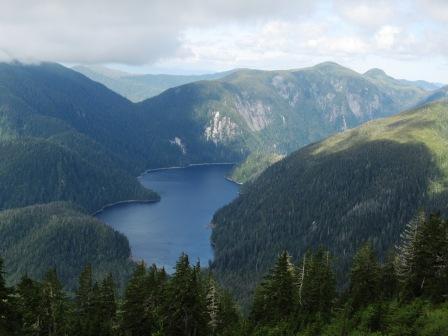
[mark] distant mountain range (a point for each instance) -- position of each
(363, 184)
(140, 87)
(68, 138)
(437, 95)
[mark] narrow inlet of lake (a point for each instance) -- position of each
(159, 232)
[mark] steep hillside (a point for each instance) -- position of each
(365, 183)
(41, 171)
(140, 87)
(48, 159)
(39, 237)
(59, 97)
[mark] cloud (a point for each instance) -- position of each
(367, 13)
(222, 34)
(133, 31)
(437, 9)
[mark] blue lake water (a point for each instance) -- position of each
(159, 232)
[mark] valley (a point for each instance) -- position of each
(224, 168)
(323, 154)
(71, 139)
(180, 222)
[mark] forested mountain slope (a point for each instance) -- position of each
(60, 141)
(365, 183)
(42, 171)
(272, 112)
(68, 138)
(275, 112)
(54, 94)
(36, 238)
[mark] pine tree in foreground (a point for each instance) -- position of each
(364, 278)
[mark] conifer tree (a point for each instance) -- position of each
(222, 313)
(406, 258)
(282, 288)
(8, 316)
(388, 277)
(135, 320)
(107, 307)
(85, 310)
(155, 291)
(364, 277)
(316, 285)
(186, 311)
(54, 309)
(28, 304)
(275, 299)
(422, 258)
(212, 298)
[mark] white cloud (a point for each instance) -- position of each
(133, 31)
(223, 34)
(437, 9)
(386, 37)
(367, 13)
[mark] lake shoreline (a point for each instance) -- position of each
(159, 232)
(187, 166)
(124, 202)
(148, 171)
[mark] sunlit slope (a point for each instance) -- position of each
(363, 184)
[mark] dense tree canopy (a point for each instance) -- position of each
(292, 300)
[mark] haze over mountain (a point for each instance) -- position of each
(363, 184)
(437, 95)
(140, 87)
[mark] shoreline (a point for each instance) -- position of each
(161, 169)
(186, 166)
(233, 181)
(109, 205)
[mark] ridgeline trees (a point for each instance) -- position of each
(404, 294)
(187, 303)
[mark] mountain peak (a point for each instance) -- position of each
(333, 68)
(375, 72)
(329, 65)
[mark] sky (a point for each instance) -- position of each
(406, 38)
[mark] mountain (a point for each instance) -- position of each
(41, 171)
(54, 94)
(64, 139)
(362, 184)
(273, 112)
(381, 76)
(438, 95)
(68, 138)
(428, 86)
(36, 238)
(404, 92)
(140, 87)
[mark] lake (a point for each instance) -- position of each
(159, 232)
